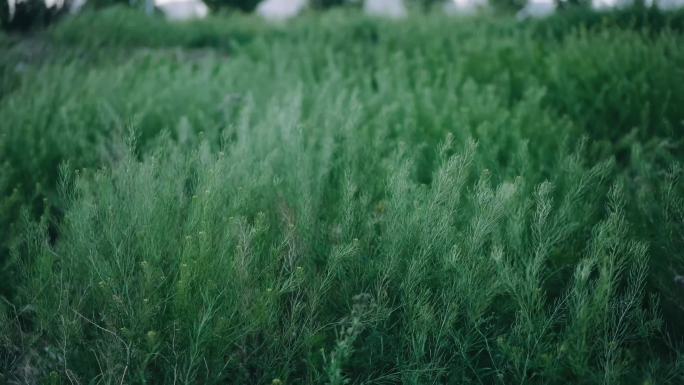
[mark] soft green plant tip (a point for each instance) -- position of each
(151, 337)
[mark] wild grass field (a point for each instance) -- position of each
(343, 200)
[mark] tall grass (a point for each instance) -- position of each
(343, 200)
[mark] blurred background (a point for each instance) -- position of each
(24, 15)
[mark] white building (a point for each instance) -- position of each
(464, 7)
(280, 10)
(181, 10)
(392, 9)
(535, 9)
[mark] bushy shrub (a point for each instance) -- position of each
(342, 200)
(635, 17)
(204, 256)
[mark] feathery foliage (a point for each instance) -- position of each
(341, 200)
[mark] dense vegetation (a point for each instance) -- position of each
(343, 200)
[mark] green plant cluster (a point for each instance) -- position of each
(341, 200)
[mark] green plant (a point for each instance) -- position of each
(341, 200)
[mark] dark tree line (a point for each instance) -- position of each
(28, 14)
